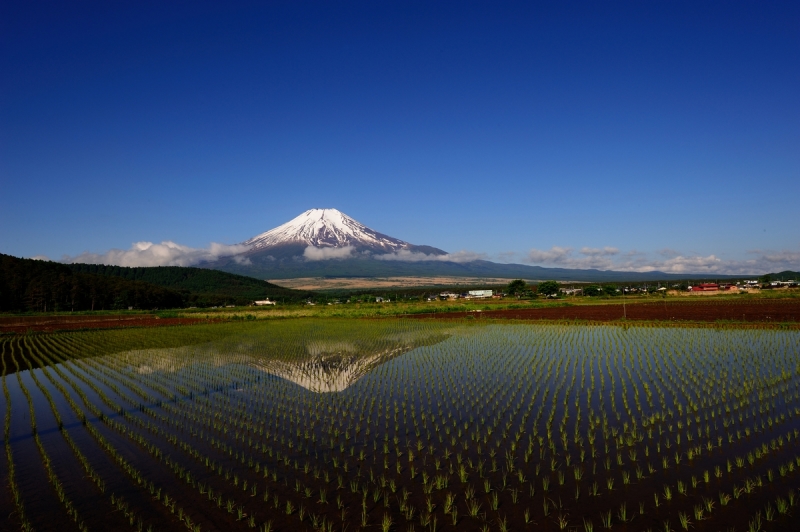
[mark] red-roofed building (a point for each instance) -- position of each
(705, 287)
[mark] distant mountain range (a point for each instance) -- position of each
(328, 243)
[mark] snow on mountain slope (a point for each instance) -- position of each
(325, 228)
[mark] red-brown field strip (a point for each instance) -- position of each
(60, 323)
(707, 311)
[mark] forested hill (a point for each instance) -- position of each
(203, 283)
(785, 275)
(44, 286)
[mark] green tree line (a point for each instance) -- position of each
(199, 285)
(44, 286)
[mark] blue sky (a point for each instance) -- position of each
(608, 134)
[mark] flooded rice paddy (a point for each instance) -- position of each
(329, 425)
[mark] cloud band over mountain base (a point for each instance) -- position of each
(169, 253)
(668, 261)
(164, 254)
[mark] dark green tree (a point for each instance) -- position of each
(517, 287)
(593, 290)
(610, 290)
(547, 288)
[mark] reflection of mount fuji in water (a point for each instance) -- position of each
(333, 371)
(321, 365)
(335, 365)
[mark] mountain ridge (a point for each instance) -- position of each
(368, 267)
(327, 242)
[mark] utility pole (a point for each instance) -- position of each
(624, 310)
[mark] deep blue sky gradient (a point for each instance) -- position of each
(493, 127)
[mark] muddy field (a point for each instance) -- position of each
(62, 323)
(704, 311)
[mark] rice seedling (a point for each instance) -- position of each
(605, 519)
(684, 520)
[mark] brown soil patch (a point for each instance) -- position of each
(704, 311)
(61, 323)
(370, 283)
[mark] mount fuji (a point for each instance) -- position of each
(329, 243)
(329, 229)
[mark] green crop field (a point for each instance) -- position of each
(402, 425)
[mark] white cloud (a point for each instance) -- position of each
(325, 253)
(41, 257)
(668, 261)
(163, 254)
(415, 256)
(464, 256)
(555, 255)
(681, 264)
(785, 260)
(598, 252)
(602, 258)
(588, 258)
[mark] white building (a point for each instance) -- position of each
(264, 302)
(480, 294)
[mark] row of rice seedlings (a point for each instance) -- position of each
(157, 493)
(180, 472)
(116, 500)
(154, 451)
(432, 429)
(185, 446)
(16, 494)
(58, 487)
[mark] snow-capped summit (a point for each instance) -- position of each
(326, 228)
